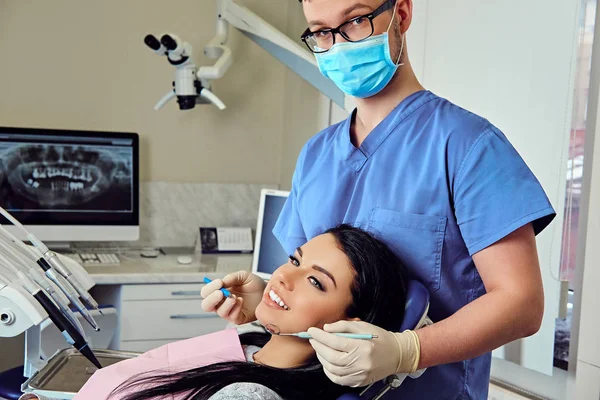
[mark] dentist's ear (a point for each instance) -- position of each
(405, 12)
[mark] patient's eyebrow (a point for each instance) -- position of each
(323, 270)
(320, 269)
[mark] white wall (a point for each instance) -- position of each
(304, 115)
(83, 65)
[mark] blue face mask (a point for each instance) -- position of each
(360, 69)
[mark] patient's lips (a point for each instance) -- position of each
(274, 301)
(277, 300)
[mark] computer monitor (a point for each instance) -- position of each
(268, 252)
(66, 185)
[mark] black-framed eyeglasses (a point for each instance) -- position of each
(357, 29)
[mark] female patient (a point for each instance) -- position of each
(344, 273)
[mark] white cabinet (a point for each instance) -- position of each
(151, 315)
(166, 319)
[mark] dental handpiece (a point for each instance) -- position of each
(11, 258)
(43, 282)
(68, 330)
(64, 287)
(50, 257)
(57, 264)
(10, 252)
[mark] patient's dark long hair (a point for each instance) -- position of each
(378, 294)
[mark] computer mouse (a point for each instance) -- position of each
(184, 260)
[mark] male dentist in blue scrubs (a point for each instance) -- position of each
(441, 186)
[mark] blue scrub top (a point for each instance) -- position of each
(437, 184)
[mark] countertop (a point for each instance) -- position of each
(165, 269)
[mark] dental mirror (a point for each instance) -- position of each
(274, 330)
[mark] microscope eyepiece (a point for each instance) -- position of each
(152, 42)
(168, 42)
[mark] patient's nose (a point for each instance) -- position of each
(287, 277)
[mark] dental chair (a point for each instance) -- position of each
(417, 306)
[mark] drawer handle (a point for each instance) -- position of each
(186, 293)
(191, 316)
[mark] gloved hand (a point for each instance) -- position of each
(247, 290)
(354, 362)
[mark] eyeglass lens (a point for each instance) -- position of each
(354, 30)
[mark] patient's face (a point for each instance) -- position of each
(314, 287)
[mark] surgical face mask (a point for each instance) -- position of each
(360, 69)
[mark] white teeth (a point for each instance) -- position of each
(277, 300)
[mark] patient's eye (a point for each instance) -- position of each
(294, 261)
(315, 282)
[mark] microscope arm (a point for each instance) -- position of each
(192, 85)
(279, 45)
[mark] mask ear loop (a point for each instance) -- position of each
(403, 36)
(401, 50)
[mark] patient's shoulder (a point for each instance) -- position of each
(245, 391)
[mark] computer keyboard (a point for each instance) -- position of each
(95, 258)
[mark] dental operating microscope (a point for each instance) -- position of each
(36, 284)
(192, 84)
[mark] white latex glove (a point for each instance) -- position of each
(247, 290)
(354, 362)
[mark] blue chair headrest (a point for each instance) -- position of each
(417, 303)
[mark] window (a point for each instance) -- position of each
(574, 178)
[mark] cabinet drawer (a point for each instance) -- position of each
(161, 292)
(164, 319)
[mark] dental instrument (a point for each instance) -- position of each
(20, 261)
(52, 260)
(40, 280)
(273, 329)
(64, 308)
(226, 292)
(69, 331)
(63, 285)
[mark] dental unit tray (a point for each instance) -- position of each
(67, 371)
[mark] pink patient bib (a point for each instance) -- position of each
(179, 356)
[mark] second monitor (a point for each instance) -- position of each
(268, 252)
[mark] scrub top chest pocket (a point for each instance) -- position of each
(416, 238)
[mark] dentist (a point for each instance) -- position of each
(441, 186)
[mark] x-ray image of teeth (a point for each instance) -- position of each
(69, 177)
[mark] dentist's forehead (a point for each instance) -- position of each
(328, 12)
